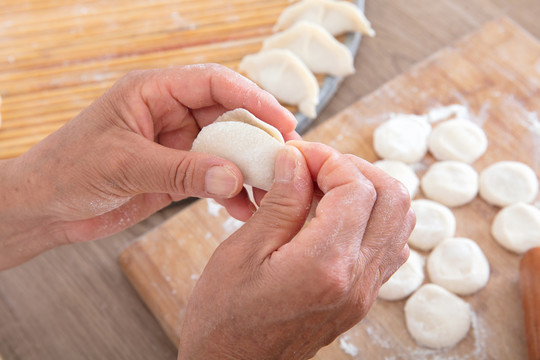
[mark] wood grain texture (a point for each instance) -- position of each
(74, 302)
(54, 61)
(493, 73)
(529, 285)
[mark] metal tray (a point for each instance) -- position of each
(331, 84)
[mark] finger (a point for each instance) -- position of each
(343, 212)
(283, 210)
(389, 216)
(199, 86)
(293, 135)
(209, 114)
(132, 212)
(142, 166)
(239, 207)
(258, 195)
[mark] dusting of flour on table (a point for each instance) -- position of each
(231, 225)
(346, 346)
(213, 207)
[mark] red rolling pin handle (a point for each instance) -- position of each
(529, 283)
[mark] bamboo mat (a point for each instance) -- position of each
(56, 57)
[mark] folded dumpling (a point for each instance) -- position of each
(248, 142)
(316, 47)
(284, 75)
(337, 17)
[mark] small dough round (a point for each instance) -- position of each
(458, 265)
(402, 138)
(458, 140)
(405, 280)
(434, 223)
(508, 182)
(252, 147)
(436, 318)
(452, 183)
(517, 227)
(402, 172)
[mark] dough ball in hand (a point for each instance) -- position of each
(405, 280)
(401, 172)
(451, 183)
(434, 223)
(508, 182)
(248, 142)
(517, 227)
(436, 318)
(402, 138)
(458, 265)
(458, 140)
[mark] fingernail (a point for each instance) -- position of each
(220, 181)
(285, 166)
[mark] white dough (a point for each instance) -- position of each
(458, 265)
(436, 318)
(517, 227)
(237, 139)
(284, 75)
(337, 17)
(316, 47)
(434, 223)
(402, 138)
(508, 182)
(452, 183)
(405, 280)
(459, 140)
(402, 172)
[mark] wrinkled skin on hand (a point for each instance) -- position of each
(273, 291)
(127, 156)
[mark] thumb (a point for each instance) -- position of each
(159, 169)
(283, 209)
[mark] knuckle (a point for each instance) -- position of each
(401, 199)
(283, 209)
(182, 176)
(334, 281)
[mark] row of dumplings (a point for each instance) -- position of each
(305, 45)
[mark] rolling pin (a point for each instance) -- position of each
(529, 283)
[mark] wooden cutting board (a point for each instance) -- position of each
(57, 57)
(496, 74)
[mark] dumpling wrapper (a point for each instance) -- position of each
(316, 47)
(248, 142)
(337, 17)
(284, 75)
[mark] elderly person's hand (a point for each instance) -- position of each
(273, 291)
(125, 157)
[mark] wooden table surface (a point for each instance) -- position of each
(75, 303)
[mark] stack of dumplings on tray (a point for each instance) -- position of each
(305, 45)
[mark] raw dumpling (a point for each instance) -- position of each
(337, 17)
(285, 76)
(434, 223)
(458, 265)
(508, 182)
(316, 47)
(248, 142)
(402, 172)
(458, 140)
(436, 318)
(452, 183)
(403, 138)
(517, 227)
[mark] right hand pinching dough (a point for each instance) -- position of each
(278, 292)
